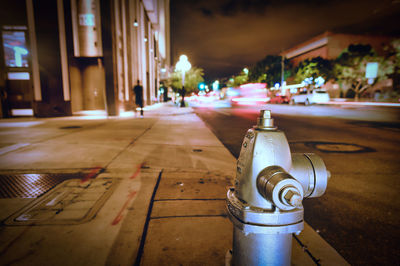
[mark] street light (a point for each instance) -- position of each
(184, 66)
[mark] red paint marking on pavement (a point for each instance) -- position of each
(92, 174)
(130, 196)
(137, 171)
(120, 215)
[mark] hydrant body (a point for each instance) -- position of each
(265, 205)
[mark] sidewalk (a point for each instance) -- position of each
(145, 191)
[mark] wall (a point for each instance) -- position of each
(338, 42)
(322, 52)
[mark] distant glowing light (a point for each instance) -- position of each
(232, 92)
(246, 70)
(319, 81)
(215, 85)
(250, 100)
(308, 81)
(183, 64)
(202, 86)
(90, 114)
(277, 85)
(252, 86)
(135, 23)
(22, 112)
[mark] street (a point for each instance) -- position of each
(359, 213)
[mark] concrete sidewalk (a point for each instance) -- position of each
(150, 191)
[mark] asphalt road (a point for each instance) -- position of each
(359, 215)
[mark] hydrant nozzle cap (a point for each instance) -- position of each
(264, 121)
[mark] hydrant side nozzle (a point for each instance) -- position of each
(310, 170)
(280, 188)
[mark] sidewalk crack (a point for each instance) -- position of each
(306, 250)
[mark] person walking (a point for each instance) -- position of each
(183, 92)
(138, 89)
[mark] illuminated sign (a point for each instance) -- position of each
(371, 70)
(15, 50)
(86, 20)
(18, 76)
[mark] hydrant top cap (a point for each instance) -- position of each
(264, 121)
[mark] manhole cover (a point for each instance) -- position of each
(71, 202)
(338, 147)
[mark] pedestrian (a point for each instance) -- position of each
(183, 92)
(138, 89)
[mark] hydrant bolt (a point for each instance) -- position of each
(292, 197)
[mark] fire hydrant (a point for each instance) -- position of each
(265, 206)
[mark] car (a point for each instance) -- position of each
(279, 99)
(313, 97)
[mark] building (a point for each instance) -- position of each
(65, 57)
(329, 45)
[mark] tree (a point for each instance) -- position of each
(269, 70)
(193, 77)
(351, 64)
(314, 68)
(238, 80)
(393, 54)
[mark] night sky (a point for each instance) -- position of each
(223, 36)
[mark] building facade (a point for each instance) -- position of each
(65, 57)
(329, 45)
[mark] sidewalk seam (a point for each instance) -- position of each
(306, 250)
(146, 225)
(130, 144)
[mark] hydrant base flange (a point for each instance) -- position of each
(259, 221)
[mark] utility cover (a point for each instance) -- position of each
(71, 202)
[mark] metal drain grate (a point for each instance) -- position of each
(71, 202)
(33, 185)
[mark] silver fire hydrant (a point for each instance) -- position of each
(265, 206)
